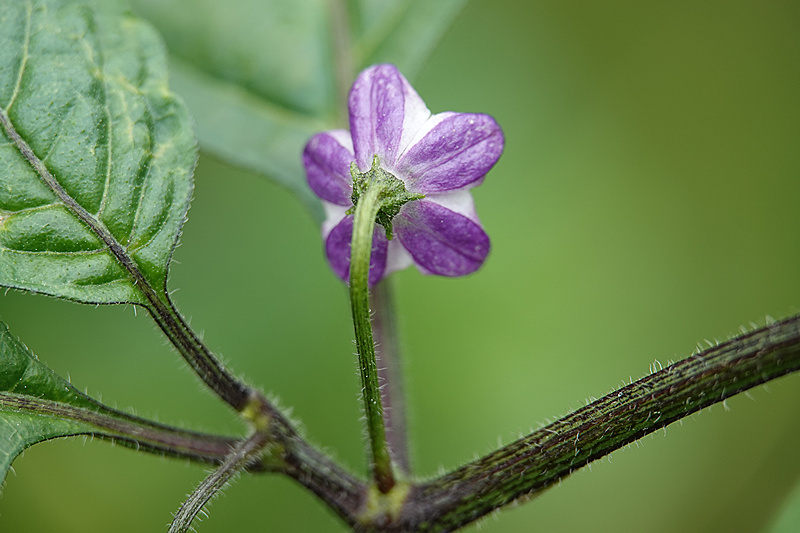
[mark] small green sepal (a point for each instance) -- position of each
(393, 194)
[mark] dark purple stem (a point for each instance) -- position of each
(534, 463)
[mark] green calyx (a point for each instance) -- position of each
(391, 194)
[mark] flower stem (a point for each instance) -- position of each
(360, 254)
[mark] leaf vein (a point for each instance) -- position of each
(50, 252)
(109, 136)
(24, 62)
(96, 226)
(150, 161)
(61, 126)
(9, 214)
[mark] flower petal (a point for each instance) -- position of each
(337, 248)
(397, 257)
(327, 159)
(457, 151)
(385, 114)
(459, 201)
(441, 241)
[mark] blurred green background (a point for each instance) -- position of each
(647, 200)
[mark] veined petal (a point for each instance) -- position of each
(327, 158)
(385, 114)
(337, 248)
(441, 241)
(457, 151)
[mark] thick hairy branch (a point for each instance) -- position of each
(533, 463)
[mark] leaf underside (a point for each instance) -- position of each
(84, 85)
(260, 75)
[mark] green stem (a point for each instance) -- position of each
(360, 253)
(390, 373)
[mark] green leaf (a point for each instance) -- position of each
(251, 132)
(96, 155)
(261, 76)
(36, 405)
(25, 381)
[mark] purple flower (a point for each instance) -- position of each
(439, 156)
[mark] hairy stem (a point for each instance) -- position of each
(360, 255)
(533, 463)
(129, 430)
(286, 452)
(390, 373)
(234, 463)
(202, 360)
(339, 489)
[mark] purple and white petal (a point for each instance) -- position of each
(459, 201)
(457, 150)
(397, 257)
(440, 156)
(416, 116)
(327, 158)
(333, 215)
(337, 248)
(441, 241)
(385, 111)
